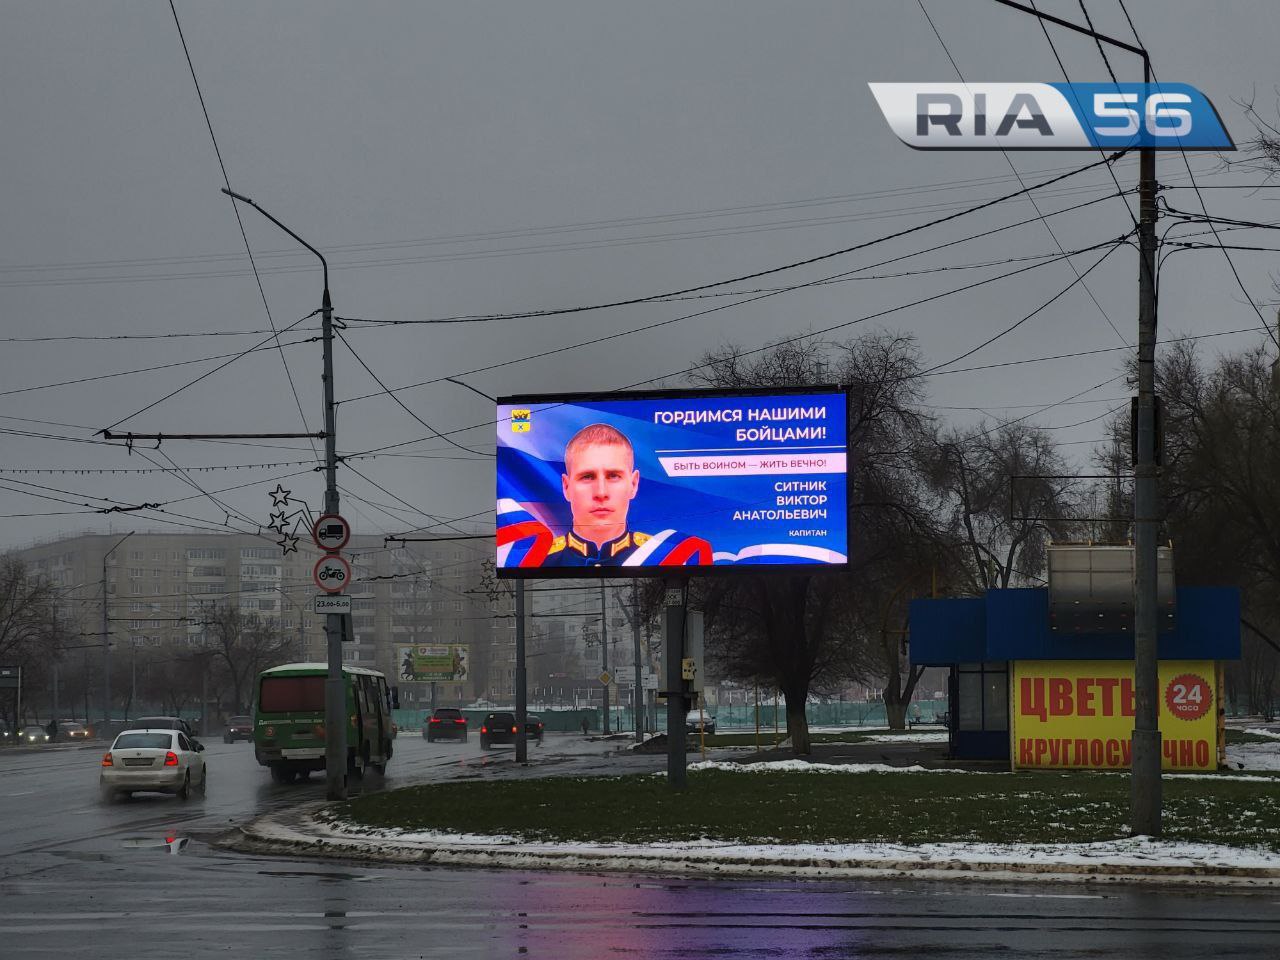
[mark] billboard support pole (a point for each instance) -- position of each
(604, 654)
(637, 698)
(522, 706)
(673, 621)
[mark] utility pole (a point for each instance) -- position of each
(335, 712)
(604, 655)
(1145, 795)
(1146, 787)
(106, 636)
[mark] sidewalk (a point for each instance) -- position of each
(308, 831)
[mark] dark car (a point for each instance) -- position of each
(502, 727)
(707, 723)
(497, 728)
(446, 723)
(161, 723)
(238, 728)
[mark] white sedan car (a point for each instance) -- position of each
(154, 761)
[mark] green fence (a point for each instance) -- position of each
(728, 716)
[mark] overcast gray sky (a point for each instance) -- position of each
(457, 159)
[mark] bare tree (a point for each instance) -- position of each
(1004, 493)
(1221, 481)
(805, 632)
(244, 645)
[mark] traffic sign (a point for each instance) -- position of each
(606, 678)
(328, 603)
(331, 573)
(331, 532)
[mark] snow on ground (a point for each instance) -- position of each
(1134, 859)
(1254, 756)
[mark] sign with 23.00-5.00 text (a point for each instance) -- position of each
(1074, 714)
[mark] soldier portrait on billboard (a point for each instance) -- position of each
(599, 482)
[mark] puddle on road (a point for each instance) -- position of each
(318, 875)
(170, 844)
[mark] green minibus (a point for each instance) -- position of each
(288, 720)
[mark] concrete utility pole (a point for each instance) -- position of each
(335, 712)
(106, 635)
(1145, 799)
(1146, 787)
(604, 655)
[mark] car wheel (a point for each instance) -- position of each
(204, 779)
(107, 795)
(226, 738)
(184, 791)
(484, 744)
(280, 773)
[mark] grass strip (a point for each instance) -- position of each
(795, 807)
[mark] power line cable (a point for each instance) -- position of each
(209, 373)
(1115, 245)
(808, 261)
(768, 292)
(1225, 252)
(243, 235)
(1009, 161)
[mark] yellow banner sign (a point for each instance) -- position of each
(1076, 714)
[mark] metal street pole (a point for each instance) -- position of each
(1145, 794)
(673, 637)
(106, 638)
(604, 655)
(637, 697)
(522, 705)
(335, 712)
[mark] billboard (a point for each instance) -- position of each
(426, 662)
(1072, 714)
(645, 484)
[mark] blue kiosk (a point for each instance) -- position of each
(1037, 680)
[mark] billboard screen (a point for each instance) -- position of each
(424, 662)
(644, 483)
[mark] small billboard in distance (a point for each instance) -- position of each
(426, 662)
(646, 483)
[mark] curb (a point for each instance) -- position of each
(305, 836)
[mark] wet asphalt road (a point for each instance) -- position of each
(78, 879)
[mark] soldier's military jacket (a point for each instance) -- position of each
(572, 551)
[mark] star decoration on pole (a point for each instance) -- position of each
(278, 523)
(289, 544)
(279, 496)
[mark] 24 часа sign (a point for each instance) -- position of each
(643, 483)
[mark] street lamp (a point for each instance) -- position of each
(106, 644)
(335, 713)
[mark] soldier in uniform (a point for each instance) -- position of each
(599, 482)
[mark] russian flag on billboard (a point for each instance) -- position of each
(671, 548)
(522, 539)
